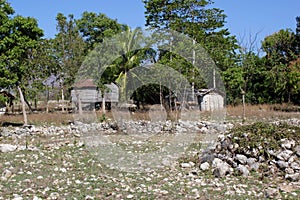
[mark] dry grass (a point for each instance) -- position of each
(263, 112)
(233, 113)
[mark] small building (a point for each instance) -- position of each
(91, 97)
(210, 99)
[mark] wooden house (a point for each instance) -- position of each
(210, 99)
(91, 97)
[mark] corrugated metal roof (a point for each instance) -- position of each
(85, 83)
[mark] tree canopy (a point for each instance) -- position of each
(27, 59)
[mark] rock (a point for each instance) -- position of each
(6, 175)
(231, 162)
(17, 197)
(297, 150)
(282, 164)
(4, 148)
(53, 195)
(236, 146)
(292, 159)
(220, 168)
(204, 166)
(285, 155)
(243, 170)
(254, 166)
(272, 193)
(130, 196)
(225, 143)
(293, 177)
(209, 157)
(36, 198)
(250, 161)
(218, 147)
(254, 152)
(216, 162)
(289, 170)
(186, 165)
(241, 158)
(295, 165)
(288, 144)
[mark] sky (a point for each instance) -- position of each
(245, 19)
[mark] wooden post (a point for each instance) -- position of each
(244, 104)
(103, 105)
(79, 104)
(62, 100)
(23, 106)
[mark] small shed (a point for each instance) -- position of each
(210, 99)
(91, 97)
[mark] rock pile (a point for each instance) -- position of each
(265, 148)
(79, 129)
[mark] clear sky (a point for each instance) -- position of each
(244, 17)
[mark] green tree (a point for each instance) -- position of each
(199, 21)
(95, 27)
(281, 50)
(69, 49)
(280, 47)
(19, 35)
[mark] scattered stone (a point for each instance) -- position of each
(285, 155)
(282, 164)
(243, 170)
(186, 165)
(53, 195)
(293, 177)
(295, 165)
(6, 175)
(272, 193)
(241, 158)
(297, 150)
(130, 196)
(289, 170)
(204, 166)
(288, 144)
(220, 168)
(17, 197)
(4, 148)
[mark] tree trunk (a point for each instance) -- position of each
(103, 106)
(23, 106)
(28, 104)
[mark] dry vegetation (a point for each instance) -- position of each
(234, 114)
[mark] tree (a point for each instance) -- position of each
(281, 50)
(18, 36)
(69, 48)
(198, 21)
(95, 27)
(280, 47)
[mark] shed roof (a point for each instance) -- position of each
(85, 83)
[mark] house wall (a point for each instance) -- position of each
(211, 102)
(90, 95)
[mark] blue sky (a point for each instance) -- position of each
(244, 18)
